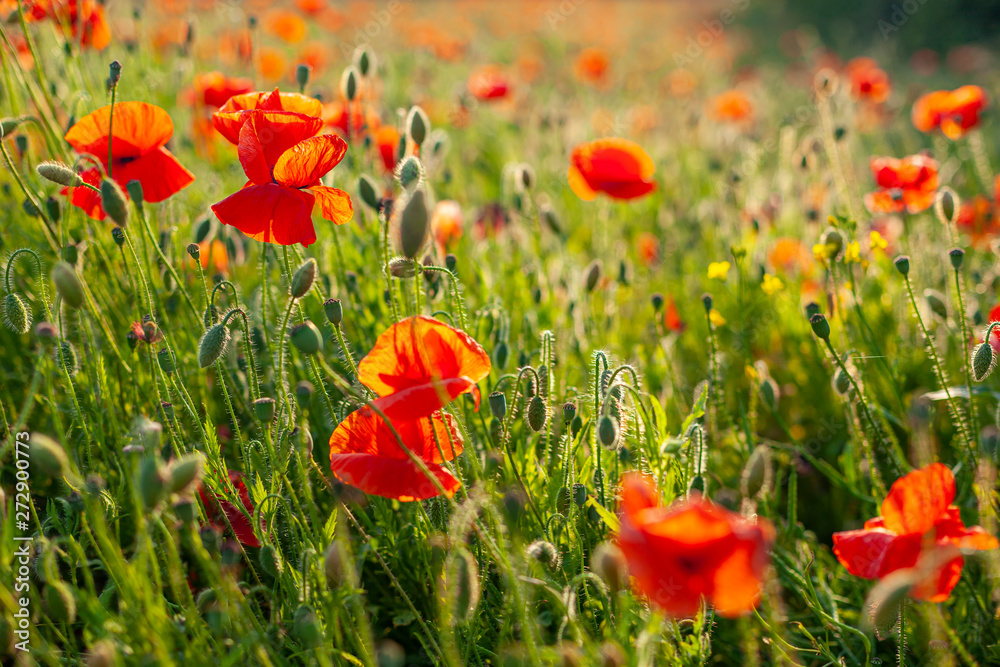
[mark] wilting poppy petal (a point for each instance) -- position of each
(308, 161)
(216, 507)
(138, 128)
(270, 213)
(159, 172)
(418, 350)
(916, 500)
(335, 205)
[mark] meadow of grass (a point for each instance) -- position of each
(607, 343)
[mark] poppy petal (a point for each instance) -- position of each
(917, 499)
(230, 117)
(270, 213)
(308, 161)
(138, 128)
(234, 516)
(334, 204)
(423, 399)
(86, 199)
(159, 172)
(862, 551)
(578, 184)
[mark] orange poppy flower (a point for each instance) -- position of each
(284, 163)
(917, 519)
(311, 7)
(907, 184)
(592, 65)
(617, 167)
(387, 140)
(868, 81)
(213, 253)
(648, 247)
(978, 219)
(229, 119)
(221, 513)
(141, 131)
(955, 112)
(488, 83)
(690, 551)
(76, 15)
(731, 106)
(273, 65)
(213, 89)
(447, 222)
(285, 24)
(672, 317)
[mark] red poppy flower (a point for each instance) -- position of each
(617, 167)
(690, 551)
(218, 510)
(868, 81)
(213, 89)
(908, 184)
(731, 106)
(229, 119)
(387, 140)
(592, 65)
(955, 112)
(672, 317)
(76, 15)
(284, 164)
(977, 218)
(917, 519)
(353, 116)
(137, 153)
(488, 83)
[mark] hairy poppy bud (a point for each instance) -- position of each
(53, 209)
(152, 482)
(333, 565)
(349, 84)
(306, 338)
(524, 177)
(59, 602)
(194, 250)
(451, 262)
(166, 360)
(410, 172)
(134, 189)
(983, 362)
(59, 173)
(902, 264)
(501, 354)
(935, 300)
(592, 275)
(303, 279)
(544, 553)
(418, 125)
(304, 392)
(842, 382)
(211, 315)
(757, 474)
(608, 563)
(264, 409)
(118, 234)
(185, 473)
(498, 405)
(306, 626)
(65, 356)
(113, 202)
(21, 143)
(400, 267)
(413, 225)
(48, 458)
(607, 431)
(269, 558)
(68, 284)
(820, 326)
(334, 311)
(461, 584)
(811, 309)
(536, 413)
(770, 393)
(368, 191)
(15, 314)
(364, 59)
(946, 205)
(302, 75)
(956, 255)
(213, 345)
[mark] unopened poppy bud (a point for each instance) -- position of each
(270, 560)
(957, 256)
(657, 300)
(307, 338)
(115, 70)
(185, 473)
(194, 250)
(608, 563)
(498, 405)
(820, 326)
(134, 189)
(68, 284)
(334, 311)
(152, 482)
(757, 473)
(113, 202)
(333, 566)
(410, 172)
(536, 413)
(461, 584)
(770, 393)
(30, 209)
(544, 553)
(166, 360)
(935, 300)
(302, 75)
(213, 345)
(59, 173)
(21, 143)
(45, 331)
(524, 177)
(104, 653)
(368, 191)
(48, 458)
(349, 84)
(418, 125)
(983, 362)
(65, 356)
(303, 279)
(304, 392)
(59, 602)
(364, 60)
(902, 264)
(842, 382)
(450, 262)
(607, 431)
(946, 205)
(15, 314)
(413, 225)
(501, 354)
(118, 234)
(53, 209)
(833, 241)
(70, 254)
(400, 267)
(811, 309)
(8, 125)
(707, 301)
(264, 409)
(886, 597)
(592, 275)
(211, 315)
(307, 627)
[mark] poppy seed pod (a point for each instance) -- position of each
(15, 314)
(811, 309)
(902, 264)
(983, 362)
(957, 256)
(213, 345)
(569, 412)
(498, 405)
(185, 472)
(307, 338)
(303, 279)
(115, 72)
(413, 225)
(592, 275)
(134, 189)
(68, 284)
(536, 413)
(264, 409)
(334, 311)
(657, 300)
(194, 250)
(418, 125)
(59, 173)
(368, 191)
(113, 202)
(302, 75)
(820, 326)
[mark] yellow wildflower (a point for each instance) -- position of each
(771, 284)
(852, 253)
(821, 252)
(718, 270)
(716, 318)
(877, 241)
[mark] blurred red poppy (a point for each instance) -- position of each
(284, 164)
(955, 112)
(213, 89)
(137, 153)
(84, 19)
(909, 184)
(869, 82)
(229, 119)
(488, 83)
(690, 551)
(917, 519)
(617, 167)
(387, 140)
(219, 511)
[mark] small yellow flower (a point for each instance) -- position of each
(771, 284)
(821, 252)
(718, 270)
(716, 318)
(750, 371)
(877, 241)
(852, 253)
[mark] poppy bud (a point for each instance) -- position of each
(303, 279)
(886, 597)
(302, 75)
(368, 190)
(935, 300)
(213, 345)
(113, 202)
(166, 360)
(306, 338)
(956, 255)
(451, 262)
(304, 392)
(349, 84)
(364, 60)
(65, 356)
(134, 189)
(757, 474)
(152, 482)
(544, 553)
(306, 625)
(657, 300)
(811, 309)
(413, 225)
(501, 354)
(333, 566)
(576, 425)
(70, 254)
(707, 301)
(334, 311)
(211, 315)
(842, 382)
(48, 458)
(21, 143)
(59, 173)
(461, 583)
(820, 326)
(115, 72)
(194, 250)
(264, 409)
(770, 393)
(418, 125)
(59, 602)
(400, 267)
(524, 177)
(185, 473)
(902, 264)
(45, 332)
(15, 314)
(608, 563)
(833, 240)
(536, 413)
(103, 653)
(118, 234)
(983, 362)
(592, 275)
(68, 284)
(410, 172)
(946, 205)
(8, 125)
(498, 405)
(607, 431)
